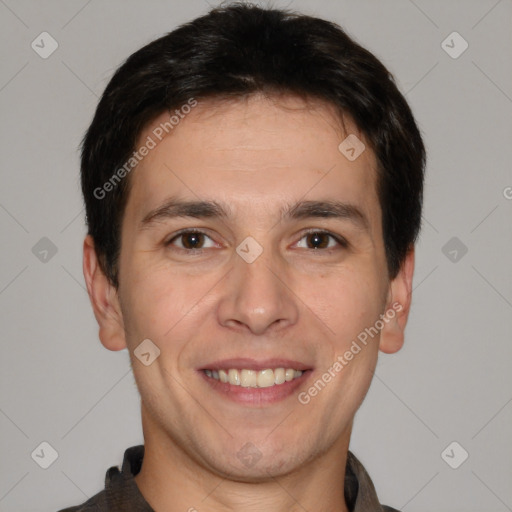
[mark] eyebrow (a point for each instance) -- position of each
(175, 208)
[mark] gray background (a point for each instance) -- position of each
(452, 380)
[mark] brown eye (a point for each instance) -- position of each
(317, 240)
(321, 240)
(190, 240)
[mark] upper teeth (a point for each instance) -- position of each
(254, 379)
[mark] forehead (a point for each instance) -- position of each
(252, 152)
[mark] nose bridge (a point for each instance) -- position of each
(255, 297)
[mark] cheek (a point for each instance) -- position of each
(347, 302)
(146, 302)
(161, 303)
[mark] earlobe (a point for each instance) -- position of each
(397, 307)
(104, 299)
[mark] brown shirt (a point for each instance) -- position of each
(121, 493)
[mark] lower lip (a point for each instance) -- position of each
(256, 396)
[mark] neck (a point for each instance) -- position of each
(173, 480)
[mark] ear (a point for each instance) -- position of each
(104, 300)
(397, 307)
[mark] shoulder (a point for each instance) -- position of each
(98, 503)
(360, 492)
(121, 493)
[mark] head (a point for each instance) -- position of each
(235, 126)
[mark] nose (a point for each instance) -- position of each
(257, 296)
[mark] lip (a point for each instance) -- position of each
(253, 364)
(255, 397)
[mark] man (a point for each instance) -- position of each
(253, 186)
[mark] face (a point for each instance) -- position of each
(252, 252)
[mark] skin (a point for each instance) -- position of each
(257, 155)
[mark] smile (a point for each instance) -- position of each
(254, 379)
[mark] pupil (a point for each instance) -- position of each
(317, 240)
(191, 240)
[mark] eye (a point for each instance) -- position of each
(190, 240)
(321, 240)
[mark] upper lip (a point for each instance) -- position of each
(254, 364)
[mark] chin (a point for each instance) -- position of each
(258, 464)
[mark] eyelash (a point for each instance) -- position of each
(339, 239)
